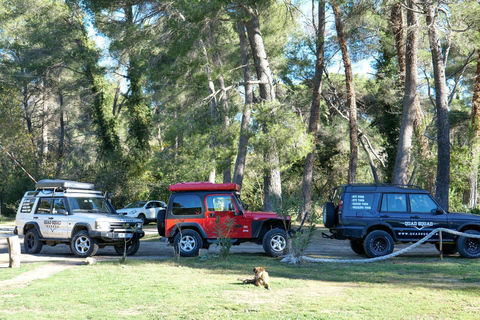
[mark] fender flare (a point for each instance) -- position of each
(378, 226)
(82, 225)
(35, 226)
(188, 225)
(277, 223)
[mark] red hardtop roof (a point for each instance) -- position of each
(204, 186)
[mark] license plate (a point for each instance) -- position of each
(125, 235)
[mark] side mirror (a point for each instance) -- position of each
(62, 211)
(231, 207)
(437, 211)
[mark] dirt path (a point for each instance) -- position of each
(41, 272)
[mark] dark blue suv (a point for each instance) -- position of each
(375, 216)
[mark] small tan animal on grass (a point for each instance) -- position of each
(260, 279)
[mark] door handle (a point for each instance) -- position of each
(51, 218)
(415, 217)
(385, 216)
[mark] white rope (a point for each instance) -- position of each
(290, 258)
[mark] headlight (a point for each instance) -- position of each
(102, 225)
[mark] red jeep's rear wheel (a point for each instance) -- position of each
(188, 242)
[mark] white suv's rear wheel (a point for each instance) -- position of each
(32, 242)
(83, 245)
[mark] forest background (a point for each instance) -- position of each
(136, 95)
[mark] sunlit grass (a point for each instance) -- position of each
(210, 289)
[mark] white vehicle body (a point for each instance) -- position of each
(70, 212)
(143, 210)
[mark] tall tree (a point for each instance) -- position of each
(351, 101)
(247, 109)
(314, 110)
(402, 161)
(441, 103)
(271, 181)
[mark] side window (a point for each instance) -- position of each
(394, 203)
(57, 205)
(27, 205)
(422, 203)
(44, 205)
(361, 201)
(186, 205)
(219, 203)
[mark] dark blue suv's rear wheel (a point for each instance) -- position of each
(378, 243)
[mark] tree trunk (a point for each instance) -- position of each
(244, 128)
(441, 101)
(402, 161)
(351, 102)
(475, 143)
(314, 111)
(399, 35)
(213, 112)
(272, 182)
(224, 121)
(62, 135)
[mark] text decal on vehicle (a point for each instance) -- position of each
(418, 225)
(361, 202)
(52, 224)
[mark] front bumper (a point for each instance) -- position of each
(116, 235)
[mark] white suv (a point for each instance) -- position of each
(144, 210)
(62, 211)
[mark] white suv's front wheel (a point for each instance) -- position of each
(83, 245)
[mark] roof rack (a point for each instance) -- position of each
(384, 185)
(57, 185)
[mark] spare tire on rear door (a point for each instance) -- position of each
(329, 217)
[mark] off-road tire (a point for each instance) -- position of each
(357, 246)
(275, 242)
(132, 247)
(32, 243)
(189, 242)
(329, 217)
(469, 247)
(83, 245)
(447, 248)
(378, 243)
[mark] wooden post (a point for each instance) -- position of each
(14, 251)
(440, 245)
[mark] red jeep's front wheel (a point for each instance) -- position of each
(188, 242)
(275, 242)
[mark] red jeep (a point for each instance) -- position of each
(189, 222)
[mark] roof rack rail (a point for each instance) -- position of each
(382, 184)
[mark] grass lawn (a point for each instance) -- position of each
(208, 289)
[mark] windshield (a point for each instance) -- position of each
(89, 204)
(136, 204)
(242, 205)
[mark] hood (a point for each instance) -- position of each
(127, 211)
(464, 216)
(260, 215)
(107, 217)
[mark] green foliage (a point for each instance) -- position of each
(222, 232)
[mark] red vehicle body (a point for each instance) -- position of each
(190, 220)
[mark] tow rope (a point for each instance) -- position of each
(18, 163)
(290, 258)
